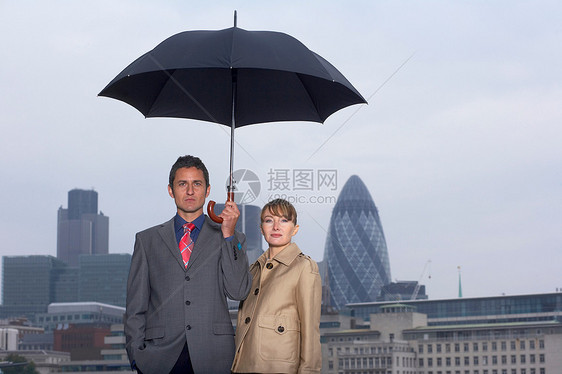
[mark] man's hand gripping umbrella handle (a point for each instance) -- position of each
(211, 207)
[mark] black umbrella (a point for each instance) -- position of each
(233, 77)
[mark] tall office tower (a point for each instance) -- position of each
(27, 286)
(249, 223)
(103, 278)
(81, 230)
(356, 255)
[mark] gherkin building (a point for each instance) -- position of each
(355, 255)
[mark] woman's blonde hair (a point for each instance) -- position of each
(280, 208)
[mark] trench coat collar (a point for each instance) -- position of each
(285, 257)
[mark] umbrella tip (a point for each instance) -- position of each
(234, 18)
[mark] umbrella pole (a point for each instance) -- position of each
(230, 193)
(230, 190)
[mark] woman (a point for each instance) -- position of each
(278, 324)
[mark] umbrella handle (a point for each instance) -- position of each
(211, 208)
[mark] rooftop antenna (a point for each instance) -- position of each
(234, 18)
(460, 286)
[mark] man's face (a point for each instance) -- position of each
(189, 192)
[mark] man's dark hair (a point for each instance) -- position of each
(188, 162)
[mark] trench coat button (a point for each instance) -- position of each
(269, 265)
(187, 302)
(247, 320)
(187, 278)
(257, 291)
(188, 327)
(280, 329)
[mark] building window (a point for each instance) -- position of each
(430, 348)
(466, 361)
(512, 344)
(541, 358)
(457, 347)
(475, 360)
(541, 344)
(522, 344)
(494, 346)
(484, 360)
(485, 346)
(420, 362)
(532, 359)
(465, 346)
(531, 344)
(420, 348)
(522, 359)
(457, 361)
(429, 362)
(448, 361)
(475, 347)
(438, 348)
(439, 361)
(504, 346)
(447, 347)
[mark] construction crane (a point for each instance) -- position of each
(418, 285)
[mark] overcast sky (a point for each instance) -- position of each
(459, 146)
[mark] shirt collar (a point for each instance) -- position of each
(179, 222)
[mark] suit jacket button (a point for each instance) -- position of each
(187, 278)
(187, 302)
(257, 291)
(247, 320)
(280, 329)
(269, 265)
(188, 327)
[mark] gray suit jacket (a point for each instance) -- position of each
(168, 305)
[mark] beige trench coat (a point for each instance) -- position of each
(278, 328)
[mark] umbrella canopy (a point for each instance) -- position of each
(191, 75)
(233, 77)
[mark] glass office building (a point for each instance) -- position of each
(356, 256)
(27, 284)
(31, 283)
(506, 309)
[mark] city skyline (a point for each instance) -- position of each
(459, 144)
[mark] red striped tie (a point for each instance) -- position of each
(186, 244)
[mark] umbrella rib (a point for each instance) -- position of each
(182, 88)
(316, 109)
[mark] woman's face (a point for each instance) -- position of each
(277, 231)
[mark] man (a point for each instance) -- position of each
(177, 317)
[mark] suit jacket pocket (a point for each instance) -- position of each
(279, 337)
(223, 329)
(154, 334)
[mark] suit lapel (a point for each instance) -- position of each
(206, 242)
(168, 235)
